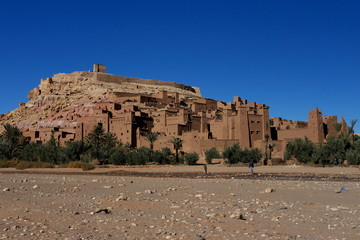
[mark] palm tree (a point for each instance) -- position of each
(338, 128)
(350, 134)
(151, 138)
(96, 139)
(177, 142)
(13, 139)
(346, 133)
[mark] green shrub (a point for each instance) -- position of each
(74, 150)
(76, 164)
(234, 154)
(42, 165)
(118, 157)
(24, 165)
(83, 165)
(88, 167)
(9, 163)
(164, 156)
(353, 157)
(191, 158)
(335, 148)
(301, 149)
(138, 156)
(211, 154)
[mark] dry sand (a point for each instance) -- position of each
(48, 206)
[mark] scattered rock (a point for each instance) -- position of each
(105, 210)
(269, 190)
(237, 215)
(35, 187)
(121, 198)
(148, 192)
(199, 196)
(6, 189)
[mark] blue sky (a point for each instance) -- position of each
(291, 55)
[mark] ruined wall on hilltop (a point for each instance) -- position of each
(103, 77)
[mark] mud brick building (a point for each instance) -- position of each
(70, 105)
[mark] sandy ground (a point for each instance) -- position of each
(48, 206)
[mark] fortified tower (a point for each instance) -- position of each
(316, 125)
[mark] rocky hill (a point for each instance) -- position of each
(58, 99)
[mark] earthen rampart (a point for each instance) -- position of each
(104, 77)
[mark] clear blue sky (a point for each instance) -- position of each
(291, 55)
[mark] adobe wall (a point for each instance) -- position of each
(103, 77)
(330, 122)
(294, 133)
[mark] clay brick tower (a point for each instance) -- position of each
(316, 126)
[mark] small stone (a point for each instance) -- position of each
(121, 198)
(148, 192)
(35, 187)
(338, 190)
(199, 196)
(237, 215)
(108, 187)
(269, 190)
(14, 227)
(6, 189)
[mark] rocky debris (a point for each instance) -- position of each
(173, 211)
(237, 215)
(34, 93)
(148, 192)
(199, 196)
(338, 190)
(269, 190)
(35, 187)
(215, 216)
(121, 198)
(6, 189)
(105, 210)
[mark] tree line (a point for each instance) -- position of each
(98, 147)
(345, 146)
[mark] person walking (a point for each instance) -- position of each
(205, 169)
(251, 166)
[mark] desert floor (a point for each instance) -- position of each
(39, 204)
